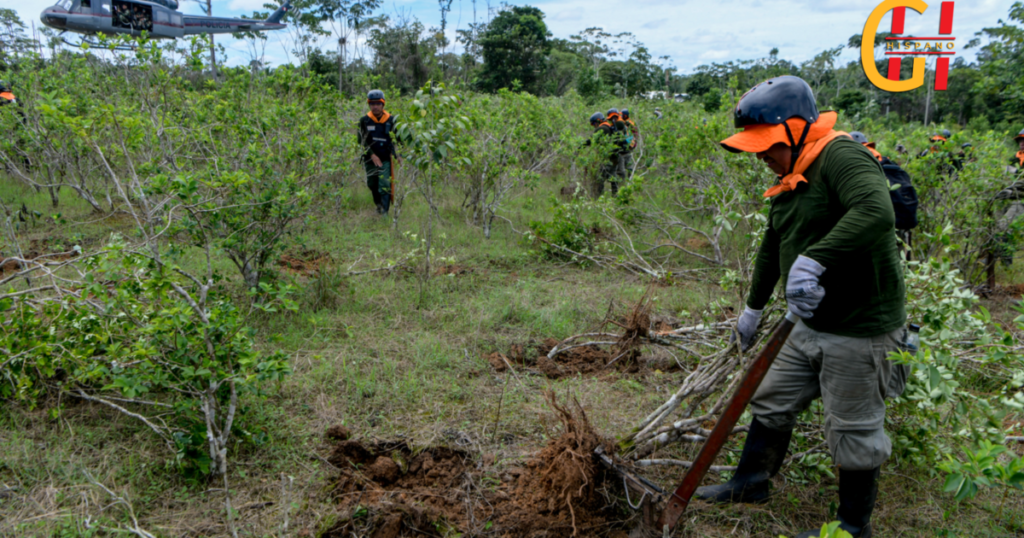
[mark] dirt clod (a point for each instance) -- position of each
(350, 453)
(338, 433)
(384, 470)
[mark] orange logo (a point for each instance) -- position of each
(897, 46)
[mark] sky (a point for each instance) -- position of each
(690, 32)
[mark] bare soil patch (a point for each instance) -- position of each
(586, 360)
(389, 489)
(304, 262)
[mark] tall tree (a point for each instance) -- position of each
(14, 42)
(515, 48)
(1000, 60)
(345, 17)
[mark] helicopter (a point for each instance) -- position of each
(158, 18)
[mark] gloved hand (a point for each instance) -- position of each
(746, 325)
(803, 294)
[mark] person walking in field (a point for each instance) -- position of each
(375, 132)
(831, 239)
(619, 130)
(606, 138)
(632, 140)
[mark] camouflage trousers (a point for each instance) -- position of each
(378, 179)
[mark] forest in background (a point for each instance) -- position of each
(513, 49)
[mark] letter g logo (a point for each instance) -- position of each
(867, 49)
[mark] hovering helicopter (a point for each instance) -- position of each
(158, 18)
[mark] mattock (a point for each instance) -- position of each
(680, 498)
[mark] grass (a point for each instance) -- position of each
(375, 354)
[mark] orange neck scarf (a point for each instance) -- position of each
(383, 117)
(1020, 157)
(7, 95)
(820, 134)
(875, 153)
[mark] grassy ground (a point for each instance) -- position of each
(392, 357)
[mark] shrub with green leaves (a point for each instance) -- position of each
(139, 337)
(566, 235)
(966, 380)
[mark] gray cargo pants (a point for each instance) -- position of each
(851, 375)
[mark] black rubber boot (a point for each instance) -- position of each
(857, 493)
(762, 457)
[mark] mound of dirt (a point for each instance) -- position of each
(587, 360)
(305, 262)
(339, 433)
(387, 490)
(558, 493)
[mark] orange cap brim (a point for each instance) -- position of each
(758, 138)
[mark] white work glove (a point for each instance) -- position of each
(746, 326)
(803, 294)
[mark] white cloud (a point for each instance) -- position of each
(715, 54)
(245, 6)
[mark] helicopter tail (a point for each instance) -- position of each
(276, 16)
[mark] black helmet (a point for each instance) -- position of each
(776, 100)
(946, 133)
(611, 111)
(1019, 135)
(625, 113)
(966, 145)
(596, 117)
(859, 137)
(375, 95)
(4, 86)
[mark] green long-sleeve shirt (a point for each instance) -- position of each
(843, 219)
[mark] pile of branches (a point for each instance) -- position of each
(708, 355)
(705, 352)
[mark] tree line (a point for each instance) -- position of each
(352, 45)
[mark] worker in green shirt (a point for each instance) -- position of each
(831, 239)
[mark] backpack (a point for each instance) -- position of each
(904, 198)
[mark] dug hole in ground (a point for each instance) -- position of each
(389, 489)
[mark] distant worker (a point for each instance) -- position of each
(946, 159)
(966, 153)
(619, 136)
(375, 132)
(605, 137)
(938, 141)
(901, 192)
(7, 98)
(830, 237)
(6, 95)
(632, 140)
